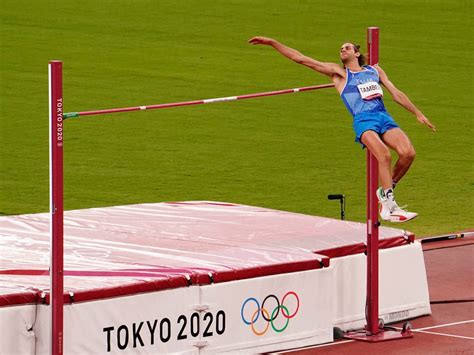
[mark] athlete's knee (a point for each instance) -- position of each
(408, 155)
(384, 157)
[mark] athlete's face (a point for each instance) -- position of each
(348, 52)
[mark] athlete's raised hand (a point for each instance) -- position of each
(261, 40)
(423, 120)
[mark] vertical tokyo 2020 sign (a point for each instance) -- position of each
(268, 311)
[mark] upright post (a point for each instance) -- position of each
(374, 332)
(56, 203)
(372, 303)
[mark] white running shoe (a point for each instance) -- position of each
(384, 204)
(380, 194)
(390, 211)
(399, 215)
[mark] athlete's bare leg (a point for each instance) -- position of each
(381, 152)
(399, 141)
(389, 209)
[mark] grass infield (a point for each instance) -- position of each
(287, 152)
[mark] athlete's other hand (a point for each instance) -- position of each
(423, 120)
(261, 40)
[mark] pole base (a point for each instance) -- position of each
(384, 334)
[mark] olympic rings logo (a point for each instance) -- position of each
(258, 311)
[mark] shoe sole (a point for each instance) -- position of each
(396, 219)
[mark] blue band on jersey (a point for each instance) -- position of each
(379, 122)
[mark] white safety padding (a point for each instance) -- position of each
(350, 290)
(146, 323)
(308, 307)
(403, 283)
(16, 330)
(403, 286)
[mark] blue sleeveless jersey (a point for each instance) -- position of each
(362, 92)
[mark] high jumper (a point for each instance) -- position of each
(360, 90)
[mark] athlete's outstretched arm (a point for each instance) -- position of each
(402, 99)
(329, 69)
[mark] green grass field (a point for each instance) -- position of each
(285, 152)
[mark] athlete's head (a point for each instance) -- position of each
(351, 51)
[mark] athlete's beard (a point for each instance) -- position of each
(344, 62)
(347, 61)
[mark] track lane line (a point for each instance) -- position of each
(315, 346)
(439, 326)
(443, 334)
(446, 325)
(421, 330)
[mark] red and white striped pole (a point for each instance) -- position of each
(56, 203)
(372, 212)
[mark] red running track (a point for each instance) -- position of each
(450, 328)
